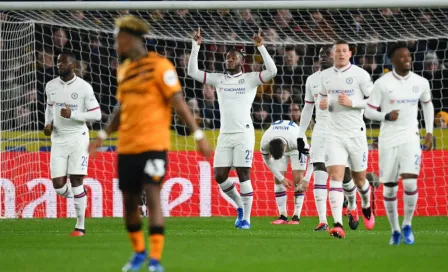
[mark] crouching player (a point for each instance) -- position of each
(279, 147)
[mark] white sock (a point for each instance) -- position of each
(298, 203)
(410, 200)
(390, 203)
(336, 200)
(321, 194)
(228, 187)
(80, 199)
(247, 195)
(309, 171)
(65, 191)
(350, 193)
(280, 199)
(364, 192)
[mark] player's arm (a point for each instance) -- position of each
(193, 70)
(92, 106)
(271, 69)
(307, 111)
(428, 113)
(48, 114)
(374, 102)
(366, 86)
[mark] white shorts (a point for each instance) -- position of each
(235, 149)
(317, 151)
(401, 159)
(70, 157)
(293, 157)
(339, 151)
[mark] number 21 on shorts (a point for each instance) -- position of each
(248, 155)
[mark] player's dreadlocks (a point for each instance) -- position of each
(239, 51)
(132, 25)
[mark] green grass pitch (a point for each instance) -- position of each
(213, 244)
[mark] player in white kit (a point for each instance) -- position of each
(317, 152)
(236, 92)
(344, 87)
(397, 93)
(279, 147)
(70, 103)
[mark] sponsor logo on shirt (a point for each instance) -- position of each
(280, 128)
(236, 90)
(347, 92)
(72, 106)
(404, 101)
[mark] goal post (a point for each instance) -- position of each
(31, 36)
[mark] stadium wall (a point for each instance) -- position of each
(189, 189)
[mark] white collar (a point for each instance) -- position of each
(235, 75)
(397, 76)
(343, 69)
(68, 82)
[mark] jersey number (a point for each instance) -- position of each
(248, 155)
(302, 159)
(84, 161)
(364, 157)
(417, 160)
(291, 123)
(155, 168)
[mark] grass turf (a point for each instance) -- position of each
(213, 244)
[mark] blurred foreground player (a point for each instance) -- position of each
(70, 104)
(397, 93)
(148, 87)
(278, 148)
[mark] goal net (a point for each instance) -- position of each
(30, 41)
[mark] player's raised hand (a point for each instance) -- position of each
(392, 116)
(344, 100)
(323, 104)
(48, 129)
(258, 39)
(94, 145)
(197, 36)
(302, 148)
(204, 148)
(428, 141)
(287, 183)
(66, 112)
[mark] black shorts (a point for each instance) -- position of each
(135, 170)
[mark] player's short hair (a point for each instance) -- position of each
(340, 41)
(394, 47)
(239, 51)
(132, 25)
(276, 148)
(69, 55)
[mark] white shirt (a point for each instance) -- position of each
(356, 83)
(79, 96)
(286, 130)
(394, 92)
(313, 87)
(236, 93)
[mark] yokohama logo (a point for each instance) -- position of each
(189, 189)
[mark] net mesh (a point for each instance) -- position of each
(31, 40)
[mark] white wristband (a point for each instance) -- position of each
(102, 135)
(198, 135)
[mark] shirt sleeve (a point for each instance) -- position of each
(309, 98)
(366, 83)
(168, 79)
(426, 95)
(376, 96)
(47, 93)
(264, 148)
(90, 101)
(323, 87)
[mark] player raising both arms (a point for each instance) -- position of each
(397, 94)
(148, 87)
(236, 92)
(317, 152)
(345, 86)
(70, 103)
(279, 147)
